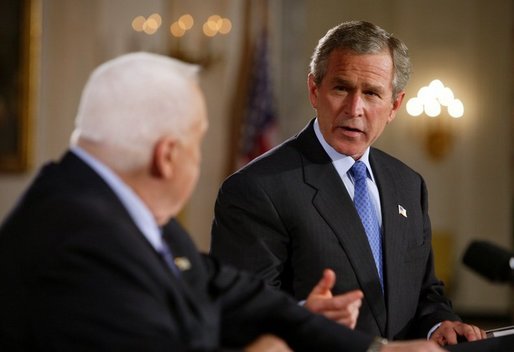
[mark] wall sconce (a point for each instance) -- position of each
(148, 25)
(203, 54)
(200, 51)
(431, 100)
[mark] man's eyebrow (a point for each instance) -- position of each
(366, 86)
(374, 87)
(342, 81)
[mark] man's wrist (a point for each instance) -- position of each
(431, 331)
(377, 344)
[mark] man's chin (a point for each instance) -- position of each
(350, 150)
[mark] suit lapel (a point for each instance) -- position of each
(334, 204)
(193, 277)
(184, 252)
(393, 227)
(184, 299)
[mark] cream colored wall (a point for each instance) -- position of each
(74, 40)
(466, 43)
(77, 35)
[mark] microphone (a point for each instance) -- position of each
(490, 261)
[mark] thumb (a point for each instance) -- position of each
(326, 283)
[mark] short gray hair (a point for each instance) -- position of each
(362, 38)
(131, 101)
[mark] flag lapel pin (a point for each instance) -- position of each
(402, 211)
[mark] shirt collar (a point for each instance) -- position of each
(341, 161)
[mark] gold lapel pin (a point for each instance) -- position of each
(182, 263)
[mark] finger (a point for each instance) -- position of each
(474, 333)
(349, 297)
(355, 316)
(326, 283)
(337, 315)
(340, 306)
(349, 322)
(483, 333)
(470, 332)
(479, 333)
(438, 338)
(349, 311)
(450, 336)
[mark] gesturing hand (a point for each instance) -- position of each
(343, 308)
(448, 332)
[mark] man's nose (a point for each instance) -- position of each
(354, 104)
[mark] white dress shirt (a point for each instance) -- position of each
(343, 164)
(138, 211)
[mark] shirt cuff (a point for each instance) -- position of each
(431, 331)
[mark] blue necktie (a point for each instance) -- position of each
(167, 256)
(367, 214)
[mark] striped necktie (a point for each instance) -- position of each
(367, 214)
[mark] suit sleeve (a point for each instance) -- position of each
(247, 231)
(92, 291)
(433, 307)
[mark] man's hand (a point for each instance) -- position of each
(343, 308)
(411, 346)
(448, 332)
(268, 343)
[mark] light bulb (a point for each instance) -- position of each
(414, 107)
(432, 108)
(456, 108)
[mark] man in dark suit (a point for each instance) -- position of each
(290, 214)
(90, 261)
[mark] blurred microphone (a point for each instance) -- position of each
(490, 261)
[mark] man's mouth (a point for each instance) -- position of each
(351, 129)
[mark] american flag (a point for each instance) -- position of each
(259, 123)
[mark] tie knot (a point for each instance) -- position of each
(358, 170)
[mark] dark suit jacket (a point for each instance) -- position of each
(287, 215)
(76, 274)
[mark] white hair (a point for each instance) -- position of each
(131, 101)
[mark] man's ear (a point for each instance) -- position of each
(313, 90)
(397, 103)
(164, 157)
